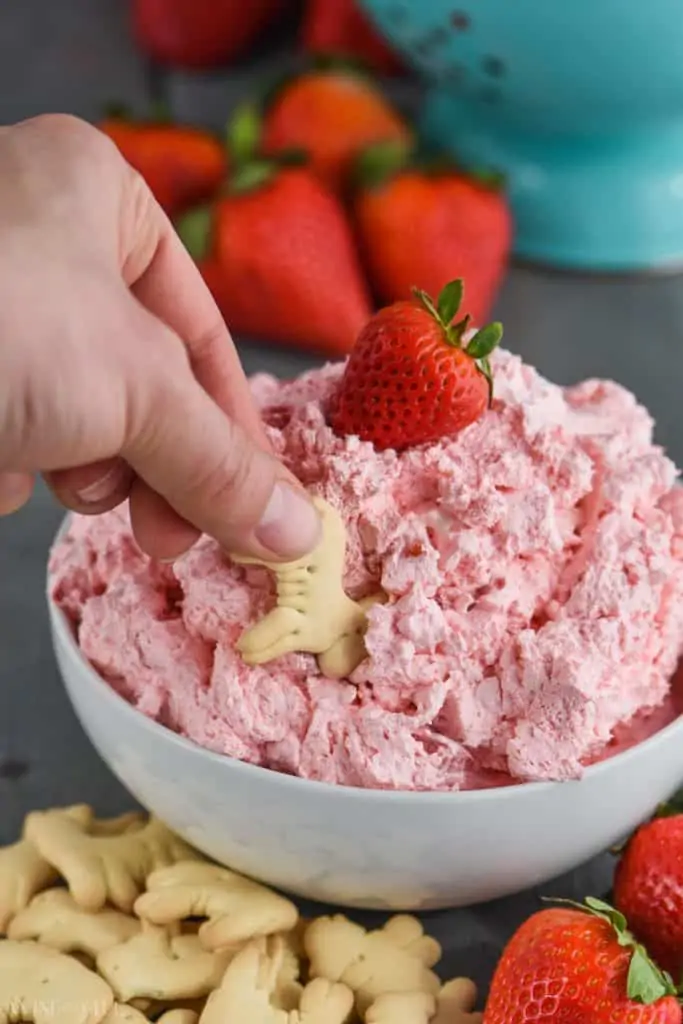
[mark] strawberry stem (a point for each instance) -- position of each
(458, 331)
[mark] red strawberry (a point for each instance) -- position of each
(579, 966)
(181, 165)
(411, 377)
(332, 115)
(648, 889)
(339, 27)
(199, 33)
(425, 226)
(278, 254)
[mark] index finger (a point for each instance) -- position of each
(164, 278)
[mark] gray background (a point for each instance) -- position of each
(76, 56)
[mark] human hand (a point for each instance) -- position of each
(118, 377)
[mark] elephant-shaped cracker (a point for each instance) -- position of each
(23, 872)
(456, 1002)
(288, 988)
(453, 1005)
(312, 613)
(103, 869)
(247, 993)
(40, 985)
(236, 908)
(54, 919)
(395, 958)
(155, 965)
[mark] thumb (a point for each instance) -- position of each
(208, 469)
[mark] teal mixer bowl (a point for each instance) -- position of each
(579, 103)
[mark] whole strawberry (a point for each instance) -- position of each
(426, 224)
(278, 254)
(199, 33)
(340, 27)
(579, 966)
(181, 165)
(413, 377)
(648, 889)
(332, 114)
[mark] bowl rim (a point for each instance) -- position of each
(64, 634)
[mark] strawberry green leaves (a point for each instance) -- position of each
(426, 301)
(646, 983)
(243, 138)
(252, 170)
(481, 345)
(244, 134)
(251, 176)
(378, 163)
(195, 231)
(480, 348)
(485, 341)
(450, 300)
(244, 142)
(598, 908)
(446, 308)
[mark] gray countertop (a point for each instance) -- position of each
(75, 56)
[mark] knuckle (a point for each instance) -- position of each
(139, 228)
(209, 340)
(236, 486)
(218, 481)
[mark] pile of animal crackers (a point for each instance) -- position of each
(119, 921)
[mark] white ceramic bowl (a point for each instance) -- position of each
(365, 848)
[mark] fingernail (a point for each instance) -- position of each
(290, 526)
(102, 488)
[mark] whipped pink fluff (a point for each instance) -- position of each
(534, 569)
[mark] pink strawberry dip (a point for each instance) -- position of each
(534, 570)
